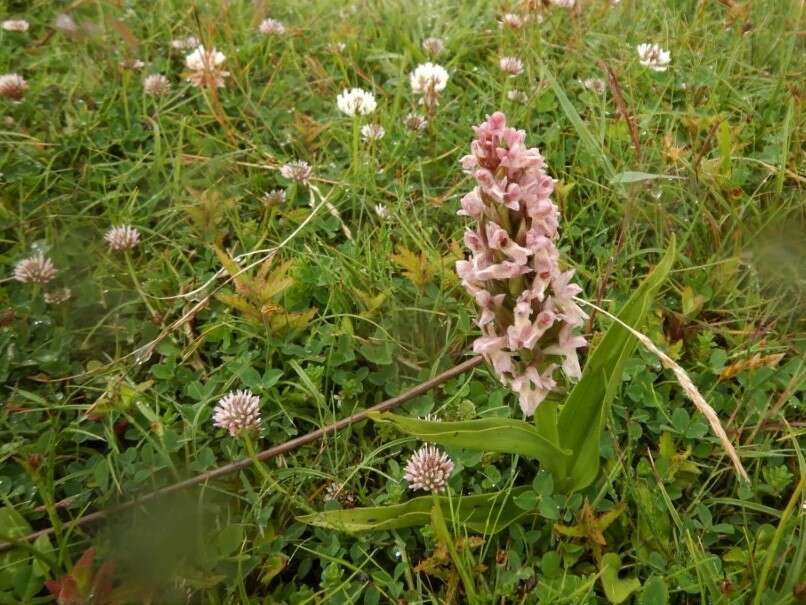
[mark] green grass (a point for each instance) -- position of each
(90, 420)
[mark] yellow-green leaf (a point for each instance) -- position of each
(617, 590)
(485, 513)
(502, 435)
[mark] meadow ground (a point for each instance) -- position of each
(346, 294)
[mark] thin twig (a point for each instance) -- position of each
(238, 465)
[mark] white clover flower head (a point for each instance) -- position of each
(297, 170)
(653, 56)
(511, 21)
(382, 211)
(356, 101)
(272, 27)
(428, 77)
(433, 46)
(36, 269)
(428, 469)
(563, 3)
(201, 59)
(124, 237)
(596, 85)
(415, 122)
(517, 96)
(156, 85)
(58, 297)
(185, 43)
(13, 86)
(16, 25)
(65, 23)
(511, 65)
(427, 81)
(372, 132)
(205, 67)
(237, 411)
(274, 198)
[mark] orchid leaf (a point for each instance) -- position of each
(581, 419)
(484, 513)
(501, 435)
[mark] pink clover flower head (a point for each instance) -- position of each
(36, 269)
(124, 237)
(238, 411)
(428, 469)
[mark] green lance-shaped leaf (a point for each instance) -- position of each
(484, 513)
(502, 435)
(581, 419)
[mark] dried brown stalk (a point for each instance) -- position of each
(615, 88)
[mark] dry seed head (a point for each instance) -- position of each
(13, 86)
(156, 85)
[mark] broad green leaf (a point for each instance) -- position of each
(43, 545)
(655, 592)
(617, 590)
(546, 421)
(527, 501)
(485, 513)
(229, 540)
(582, 417)
(503, 435)
(12, 525)
(378, 349)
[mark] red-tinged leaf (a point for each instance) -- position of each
(102, 586)
(54, 586)
(65, 590)
(82, 570)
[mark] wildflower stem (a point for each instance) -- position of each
(444, 536)
(356, 147)
(137, 286)
(773, 548)
(263, 470)
(124, 95)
